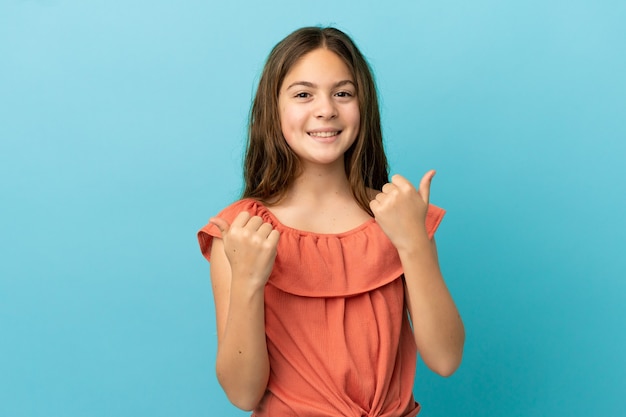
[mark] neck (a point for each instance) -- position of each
(320, 183)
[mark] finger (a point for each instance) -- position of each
(273, 237)
(374, 204)
(399, 180)
(265, 229)
(254, 223)
(425, 184)
(221, 224)
(402, 183)
(388, 187)
(241, 219)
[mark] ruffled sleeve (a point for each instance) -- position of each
(209, 231)
(434, 216)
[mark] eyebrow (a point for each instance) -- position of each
(311, 85)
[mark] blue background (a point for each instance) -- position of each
(122, 125)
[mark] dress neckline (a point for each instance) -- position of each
(281, 227)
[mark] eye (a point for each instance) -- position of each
(303, 95)
(343, 94)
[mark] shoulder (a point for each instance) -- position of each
(250, 205)
(209, 231)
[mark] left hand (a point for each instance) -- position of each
(400, 210)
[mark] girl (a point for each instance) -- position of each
(325, 275)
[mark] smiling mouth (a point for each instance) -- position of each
(324, 134)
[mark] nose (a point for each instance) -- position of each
(326, 108)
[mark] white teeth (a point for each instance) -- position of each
(323, 134)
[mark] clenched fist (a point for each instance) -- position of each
(400, 210)
(250, 246)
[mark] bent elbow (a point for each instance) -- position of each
(245, 396)
(445, 365)
(447, 361)
(246, 401)
(446, 369)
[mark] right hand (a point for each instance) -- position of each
(250, 246)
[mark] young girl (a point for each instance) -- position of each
(325, 275)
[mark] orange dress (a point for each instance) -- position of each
(338, 334)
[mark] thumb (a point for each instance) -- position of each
(425, 185)
(221, 224)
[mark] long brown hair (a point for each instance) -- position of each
(270, 166)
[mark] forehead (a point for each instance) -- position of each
(318, 66)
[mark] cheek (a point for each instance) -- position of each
(291, 118)
(355, 117)
(286, 124)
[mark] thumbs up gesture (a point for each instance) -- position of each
(400, 210)
(250, 246)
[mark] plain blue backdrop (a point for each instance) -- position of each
(122, 125)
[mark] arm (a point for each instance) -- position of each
(400, 210)
(240, 266)
(437, 325)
